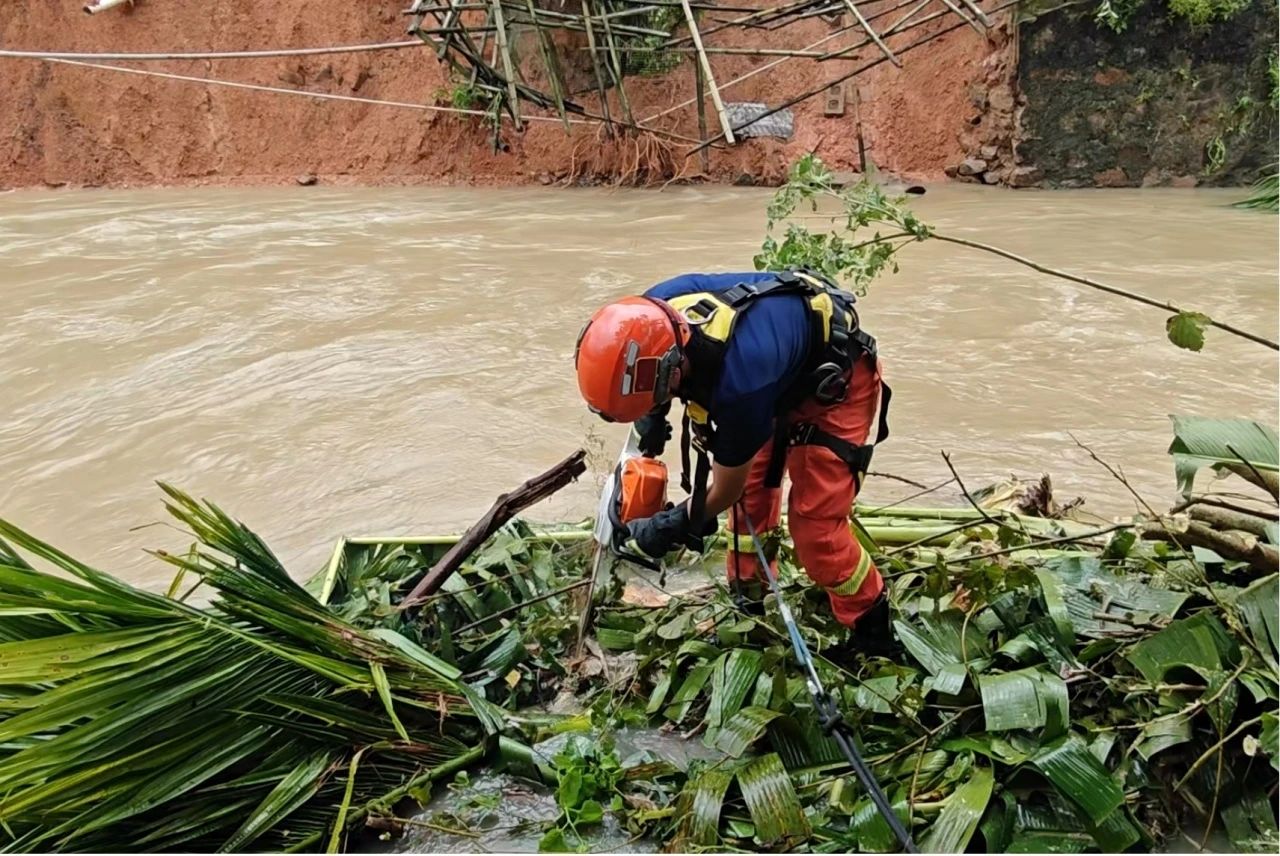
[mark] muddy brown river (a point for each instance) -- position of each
(363, 361)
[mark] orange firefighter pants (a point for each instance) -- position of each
(820, 502)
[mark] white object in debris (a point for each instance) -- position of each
(104, 5)
(780, 124)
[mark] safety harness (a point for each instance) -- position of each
(837, 343)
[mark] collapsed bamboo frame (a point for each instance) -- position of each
(622, 37)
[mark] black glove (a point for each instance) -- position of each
(658, 535)
(653, 431)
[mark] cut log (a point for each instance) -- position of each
(1223, 518)
(1237, 546)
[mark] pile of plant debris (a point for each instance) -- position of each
(1062, 687)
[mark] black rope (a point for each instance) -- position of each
(829, 717)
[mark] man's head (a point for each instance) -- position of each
(629, 357)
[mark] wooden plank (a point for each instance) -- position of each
(725, 125)
(549, 61)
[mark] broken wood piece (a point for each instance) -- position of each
(505, 507)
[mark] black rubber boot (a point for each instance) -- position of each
(748, 597)
(872, 636)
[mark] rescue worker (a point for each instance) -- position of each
(774, 371)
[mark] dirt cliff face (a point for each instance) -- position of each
(72, 125)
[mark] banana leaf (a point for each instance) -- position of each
(934, 640)
(1257, 606)
(134, 721)
(771, 799)
(743, 730)
(1079, 776)
(1161, 735)
(701, 804)
(733, 676)
(1199, 442)
(952, 830)
(1200, 643)
(1026, 699)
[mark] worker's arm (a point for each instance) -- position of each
(727, 485)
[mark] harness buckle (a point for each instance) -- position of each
(830, 386)
(802, 433)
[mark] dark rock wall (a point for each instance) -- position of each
(1160, 103)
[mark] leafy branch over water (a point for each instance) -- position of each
(856, 251)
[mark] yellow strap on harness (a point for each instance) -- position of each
(715, 323)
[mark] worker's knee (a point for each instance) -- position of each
(822, 486)
(825, 547)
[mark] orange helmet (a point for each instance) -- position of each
(626, 355)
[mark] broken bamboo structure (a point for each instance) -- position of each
(552, 57)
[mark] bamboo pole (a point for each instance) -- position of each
(853, 8)
(842, 52)
(950, 4)
(504, 49)
(978, 13)
(704, 156)
(615, 65)
(553, 68)
(769, 65)
(914, 11)
(595, 68)
(706, 69)
(738, 51)
(504, 508)
(790, 102)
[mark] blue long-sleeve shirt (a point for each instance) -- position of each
(766, 353)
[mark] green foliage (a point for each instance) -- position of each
(1186, 329)
(1265, 194)
(1222, 444)
(642, 54)
(1116, 15)
(854, 252)
(460, 95)
(131, 721)
(588, 777)
(1273, 77)
(1201, 12)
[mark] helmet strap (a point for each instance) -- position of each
(674, 357)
